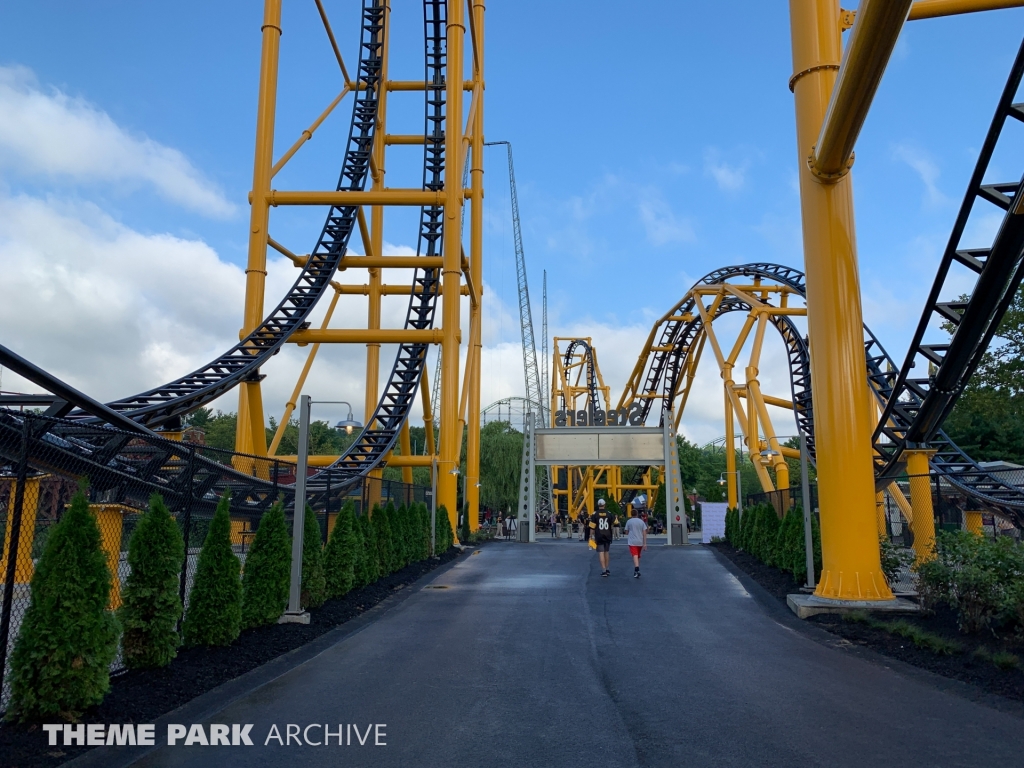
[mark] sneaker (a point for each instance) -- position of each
(604, 573)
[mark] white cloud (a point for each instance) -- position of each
(922, 164)
(53, 134)
(729, 177)
(662, 225)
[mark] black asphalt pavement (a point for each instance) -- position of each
(524, 656)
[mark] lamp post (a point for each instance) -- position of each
(294, 614)
(739, 488)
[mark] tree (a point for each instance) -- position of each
(151, 604)
(501, 455)
(443, 537)
(340, 555)
(61, 661)
(266, 578)
(314, 585)
(214, 615)
(382, 539)
(464, 526)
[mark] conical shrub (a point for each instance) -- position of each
(443, 539)
(265, 580)
(397, 543)
(314, 585)
(151, 604)
(768, 531)
(61, 661)
(371, 553)
(464, 527)
(423, 519)
(360, 561)
(406, 535)
(339, 556)
(214, 615)
(382, 539)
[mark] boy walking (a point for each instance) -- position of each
(601, 528)
(636, 531)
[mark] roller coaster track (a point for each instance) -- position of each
(590, 371)
(100, 453)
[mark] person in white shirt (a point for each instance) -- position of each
(636, 532)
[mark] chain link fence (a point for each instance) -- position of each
(44, 461)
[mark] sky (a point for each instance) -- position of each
(650, 149)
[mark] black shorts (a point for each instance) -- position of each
(603, 546)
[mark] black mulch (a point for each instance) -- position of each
(965, 666)
(144, 695)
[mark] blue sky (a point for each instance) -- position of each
(650, 149)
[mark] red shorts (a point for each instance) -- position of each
(635, 551)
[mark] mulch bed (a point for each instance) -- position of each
(144, 695)
(965, 666)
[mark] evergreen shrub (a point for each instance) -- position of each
(340, 554)
(464, 528)
(313, 590)
(214, 615)
(267, 573)
(151, 604)
(382, 539)
(61, 661)
(443, 539)
(371, 553)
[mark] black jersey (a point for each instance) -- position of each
(601, 523)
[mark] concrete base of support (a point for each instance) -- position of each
(301, 617)
(805, 606)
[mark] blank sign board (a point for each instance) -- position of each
(600, 445)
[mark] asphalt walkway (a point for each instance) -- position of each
(524, 656)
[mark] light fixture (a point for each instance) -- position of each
(348, 423)
(453, 471)
(767, 454)
(721, 479)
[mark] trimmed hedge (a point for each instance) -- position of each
(313, 591)
(214, 615)
(443, 538)
(340, 554)
(371, 555)
(61, 661)
(151, 604)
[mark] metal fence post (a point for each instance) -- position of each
(14, 526)
(805, 491)
(295, 614)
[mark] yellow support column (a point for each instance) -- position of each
(923, 522)
(110, 519)
(447, 482)
(843, 409)
(24, 568)
(250, 436)
(973, 522)
(730, 447)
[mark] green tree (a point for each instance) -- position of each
(151, 604)
(314, 585)
(371, 552)
(382, 539)
(443, 537)
(61, 661)
(464, 524)
(340, 555)
(501, 455)
(265, 580)
(214, 615)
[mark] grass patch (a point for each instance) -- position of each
(921, 638)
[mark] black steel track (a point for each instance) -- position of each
(591, 374)
(103, 453)
(915, 408)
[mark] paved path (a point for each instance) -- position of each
(526, 657)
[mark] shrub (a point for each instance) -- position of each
(152, 606)
(747, 516)
(340, 554)
(798, 547)
(371, 554)
(424, 518)
(61, 661)
(214, 615)
(382, 538)
(973, 575)
(314, 586)
(767, 533)
(443, 539)
(266, 578)
(399, 537)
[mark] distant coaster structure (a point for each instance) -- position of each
(442, 272)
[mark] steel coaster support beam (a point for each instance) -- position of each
(452, 271)
(922, 522)
(250, 436)
(872, 41)
(843, 410)
(930, 9)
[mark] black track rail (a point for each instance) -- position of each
(591, 374)
(382, 428)
(915, 407)
(242, 362)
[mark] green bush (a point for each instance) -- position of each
(314, 586)
(399, 537)
(340, 554)
(747, 517)
(267, 574)
(382, 539)
(767, 533)
(371, 553)
(443, 539)
(975, 576)
(151, 604)
(424, 537)
(61, 661)
(729, 517)
(214, 615)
